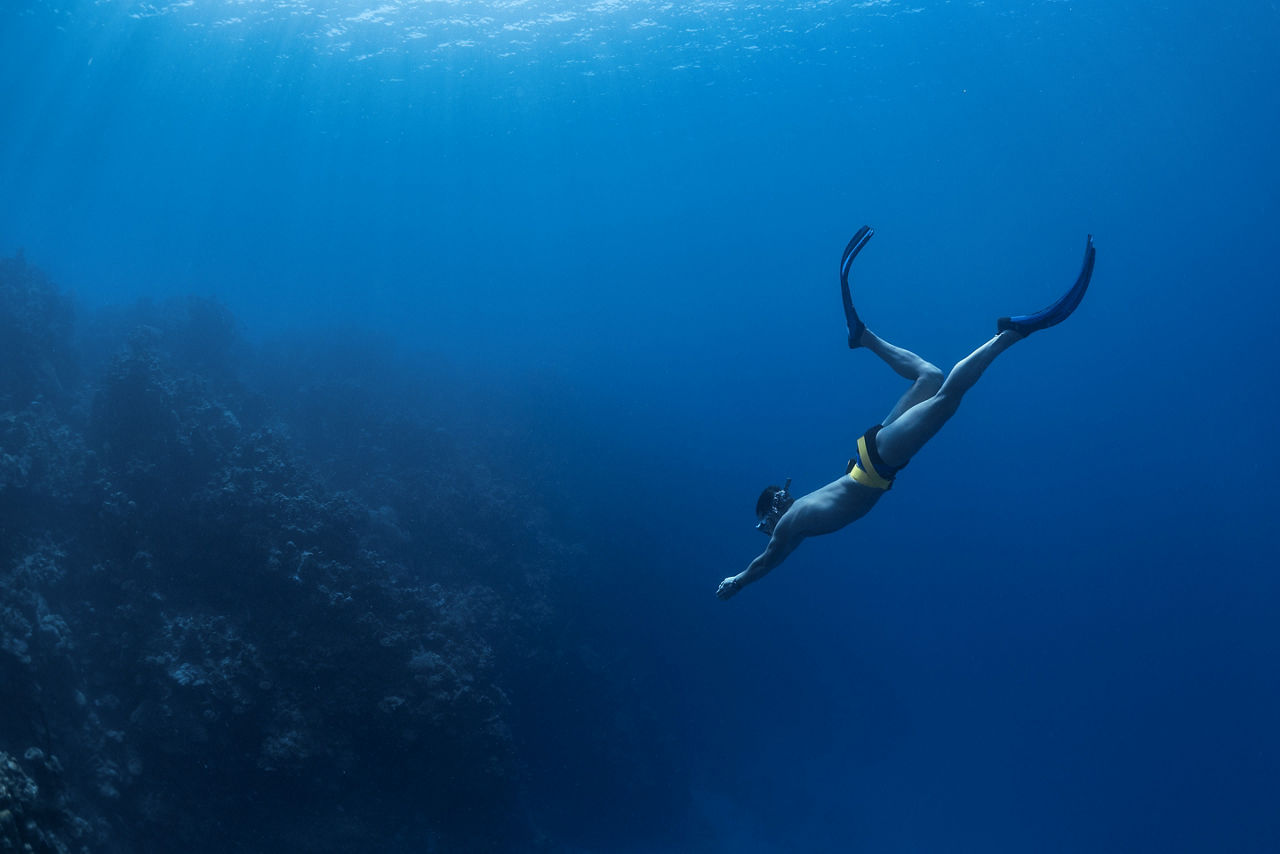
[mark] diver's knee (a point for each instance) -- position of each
(944, 404)
(930, 378)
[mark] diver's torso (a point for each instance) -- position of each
(833, 506)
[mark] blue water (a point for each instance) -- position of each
(1058, 633)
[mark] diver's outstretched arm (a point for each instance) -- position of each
(781, 544)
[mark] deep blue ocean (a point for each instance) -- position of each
(613, 229)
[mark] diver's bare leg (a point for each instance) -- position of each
(925, 377)
(899, 441)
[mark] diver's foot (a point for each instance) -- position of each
(728, 588)
(1025, 324)
(855, 333)
(855, 324)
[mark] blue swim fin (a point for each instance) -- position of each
(1025, 324)
(856, 326)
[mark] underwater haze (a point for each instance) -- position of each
(388, 385)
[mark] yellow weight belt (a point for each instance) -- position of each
(862, 471)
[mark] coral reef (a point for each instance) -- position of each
(32, 818)
(251, 609)
(35, 328)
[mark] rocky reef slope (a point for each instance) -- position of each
(255, 598)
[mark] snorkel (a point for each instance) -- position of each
(772, 504)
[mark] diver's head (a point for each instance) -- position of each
(772, 504)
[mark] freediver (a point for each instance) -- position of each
(886, 448)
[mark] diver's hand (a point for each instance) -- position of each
(728, 587)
